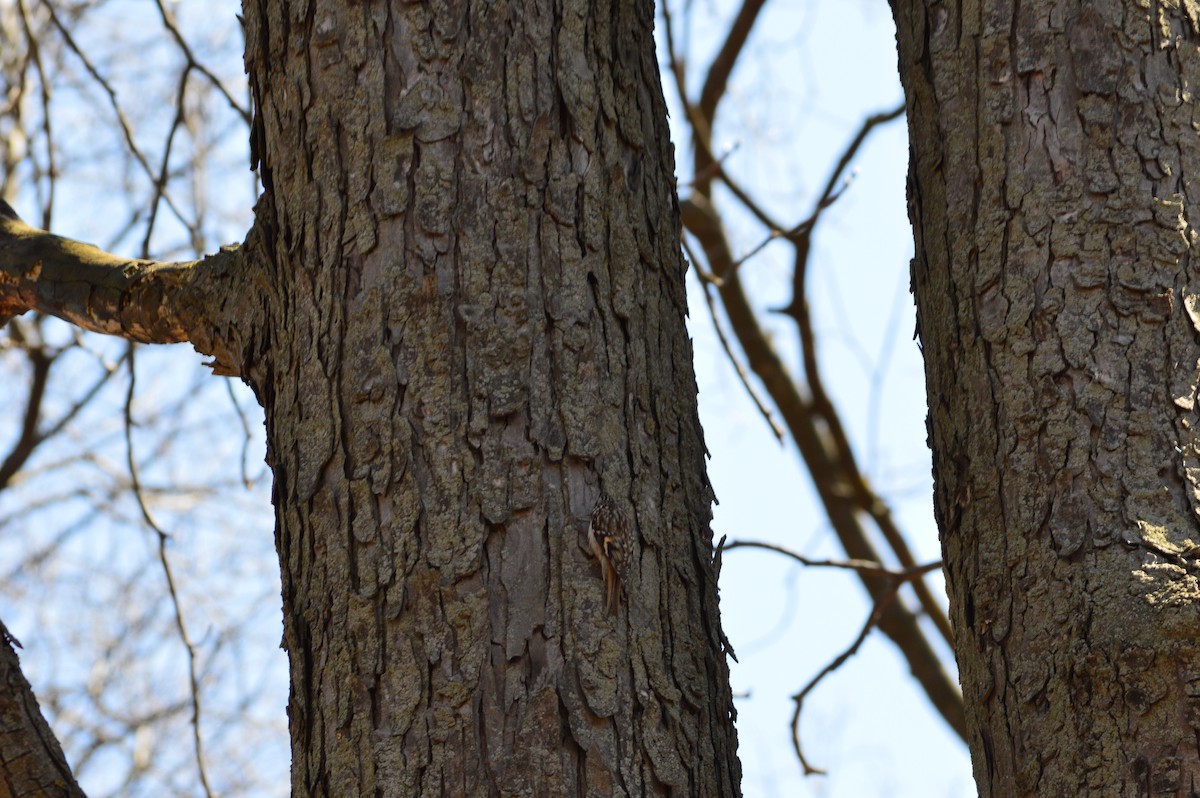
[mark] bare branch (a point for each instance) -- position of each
(739, 369)
(823, 406)
(826, 464)
(122, 121)
(39, 363)
(144, 301)
(168, 574)
(869, 124)
(895, 579)
(722, 66)
(861, 566)
(881, 602)
(35, 56)
(193, 63)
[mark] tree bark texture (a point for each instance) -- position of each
(1054, 164)
(473, 323)
(32, 764)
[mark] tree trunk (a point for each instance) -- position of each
(462, 308)
(475, 324)
(32, 764)
(1053, 152)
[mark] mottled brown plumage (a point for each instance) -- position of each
(609, 538)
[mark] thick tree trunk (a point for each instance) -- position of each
(1054, 156)
(475, 323)
(462, 307)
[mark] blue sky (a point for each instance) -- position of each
(810, 75)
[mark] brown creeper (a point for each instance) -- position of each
(610, 539)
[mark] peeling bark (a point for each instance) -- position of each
(1053, 168)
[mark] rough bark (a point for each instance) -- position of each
(1053, 166)
(475, 324)
(462, 308)
(32, 764)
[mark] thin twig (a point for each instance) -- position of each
(798, 698)
(797, 232)
(869, 124)
(180, 624)
(247, 435)
(122, 121)
(861, 566)
(896, 578)
(31, 41)
(39, 362)
(706, 277)
(714, 169)
(164, 174)
(738, 367)
(194, 63)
